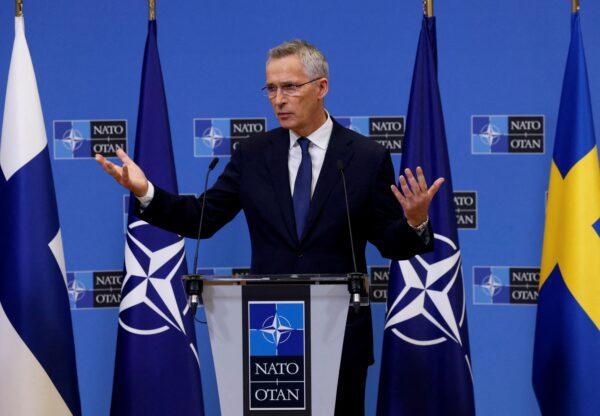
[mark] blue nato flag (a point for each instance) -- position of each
(566, 362)
(425, 368)
(156, 368)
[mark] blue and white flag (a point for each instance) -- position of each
(425, 368)
(37, 354)
(156, 368)
(566, 360)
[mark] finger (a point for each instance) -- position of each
(113, 170)
(405, 188)
(123, 156)
(435, 187)
(398, 195)
(414, 186)
(125, 176)
(421, 179)
(99, 158)
(108, 166)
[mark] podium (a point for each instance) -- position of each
(277, 341)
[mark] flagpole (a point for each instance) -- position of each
(152, 9)
(19, 8)
(574, 6)
(428, 8)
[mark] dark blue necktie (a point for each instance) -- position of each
(302, 187)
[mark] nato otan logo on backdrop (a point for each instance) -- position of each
(465, 206)
(494, 134)
(83, 139)
(379, 276)
(501, 285)
(220, 136)
(387, 131)
(277, 345)
(95, 289)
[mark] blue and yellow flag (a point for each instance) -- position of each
(566, 364)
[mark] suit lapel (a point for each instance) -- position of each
(276, 155)
(339, 148)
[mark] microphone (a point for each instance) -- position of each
(355, 281)
(193, 282)
(212, 164)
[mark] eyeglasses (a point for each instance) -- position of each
(288, 89)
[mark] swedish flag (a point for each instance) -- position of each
(566, 365)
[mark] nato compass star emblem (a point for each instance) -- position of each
(490, 134)
(212, 137)
(148, 285)
(425, 297)
(72, 139)
(276, 329)
(76, 290)
(492, 285)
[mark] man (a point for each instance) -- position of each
(289, 186)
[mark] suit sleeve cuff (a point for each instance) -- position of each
(422, 230)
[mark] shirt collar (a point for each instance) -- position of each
(319, 137)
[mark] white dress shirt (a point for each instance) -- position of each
(318, 142)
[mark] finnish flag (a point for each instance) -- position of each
(37, 354)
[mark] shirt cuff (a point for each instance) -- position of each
(147, 198)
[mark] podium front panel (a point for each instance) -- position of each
(276, 327)
(329, 310)
(276, 348)
(223, 309)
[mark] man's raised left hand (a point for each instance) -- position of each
(415, 196)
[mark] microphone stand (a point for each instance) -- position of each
(355, 279)
(193, 282)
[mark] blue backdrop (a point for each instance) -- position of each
(495, 59)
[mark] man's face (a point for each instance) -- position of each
(303, 113)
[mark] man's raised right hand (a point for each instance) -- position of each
(129, 175)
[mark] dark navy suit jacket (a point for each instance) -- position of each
(256, 180)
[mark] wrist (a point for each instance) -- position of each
(418, 226)
(142, 191)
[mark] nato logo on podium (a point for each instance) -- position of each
(276, 339)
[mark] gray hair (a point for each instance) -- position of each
(312, 59)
